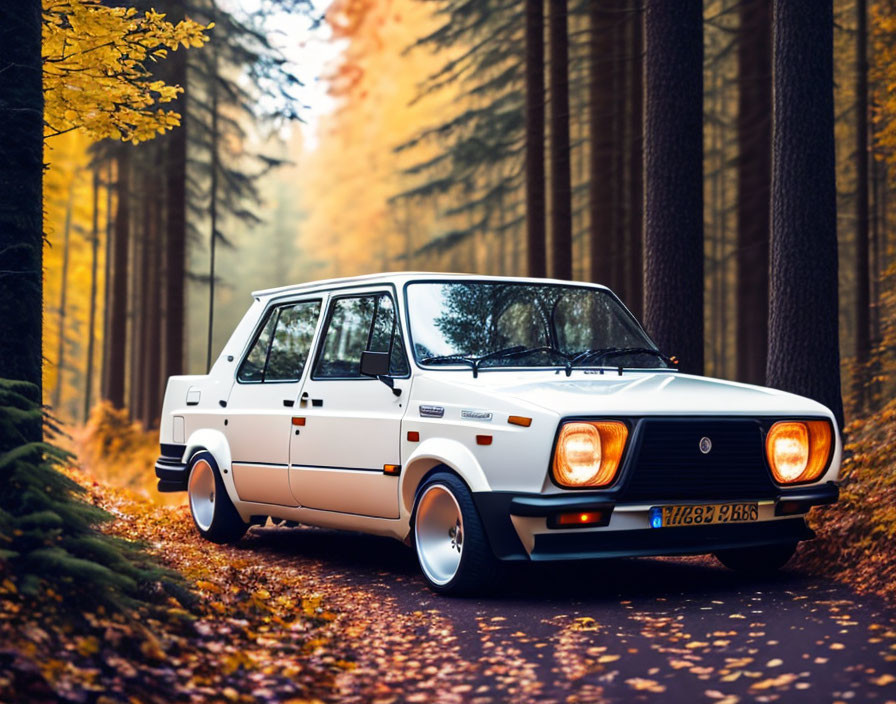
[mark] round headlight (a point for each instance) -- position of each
(588, 453)
(798, 451)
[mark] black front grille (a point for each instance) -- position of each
(668, 464)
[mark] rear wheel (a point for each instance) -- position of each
(451, 544)
(757, 560)
(213, 513)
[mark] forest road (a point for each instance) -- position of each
(640, 630)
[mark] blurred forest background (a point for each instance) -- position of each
(417, 149)
(723, 165)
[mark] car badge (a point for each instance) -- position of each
(705, 445)
(432, 411)
(484, 416)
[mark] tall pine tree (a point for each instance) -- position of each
(673, 173)
(21, 182)
(803, 354)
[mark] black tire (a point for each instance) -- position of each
(479, 569)
(224, 524)
(760, 560)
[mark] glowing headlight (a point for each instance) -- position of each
(798, 451)
(588, 453)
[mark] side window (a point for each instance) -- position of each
(252, 368)
(281, 349)
(292, 341)
(358, 324)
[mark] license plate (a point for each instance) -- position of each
(702, 514)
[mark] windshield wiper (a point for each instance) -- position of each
(505, 353)
(450, 359)
(599, 355)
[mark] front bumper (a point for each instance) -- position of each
(517, 526)
(171, 470)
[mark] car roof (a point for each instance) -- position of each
(399, 278)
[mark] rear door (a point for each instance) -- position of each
(345, 454)
(264, 397)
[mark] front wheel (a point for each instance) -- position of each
(213, 513)
(451, 544)
(758, 560)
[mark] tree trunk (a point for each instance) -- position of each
(619, 58)
(561, 176)
(151, 206)
(754, 141)
(863, 265)
(673, 172)
(118, 306)
(535, 97)
(213, 205)
(136, 291)
(634, 290)
(154, 388)
(803, 354)
(91, 318)
(63, 298)
(176, 250)
(21, 205)
(107, 285)
(602, 104)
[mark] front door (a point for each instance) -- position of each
(349, 440)
(263, 400)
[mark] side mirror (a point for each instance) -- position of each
(375, 363)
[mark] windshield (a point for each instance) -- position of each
(487, 324)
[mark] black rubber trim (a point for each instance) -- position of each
(173, 451)
(494, 512)
(172, 473)
(539, 505)
(166, 486)
(689, 540)
(807, 498)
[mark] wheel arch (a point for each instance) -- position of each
(215, 443)
(436, 454)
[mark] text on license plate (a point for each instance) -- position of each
(703, 514)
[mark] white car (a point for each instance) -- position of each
(487, 420)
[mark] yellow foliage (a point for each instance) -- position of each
(95, 69)
(351, 168)
(121, 453)
(882, 22)
(68, 195)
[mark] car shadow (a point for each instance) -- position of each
(362, 559)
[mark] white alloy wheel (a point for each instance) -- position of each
(439, 534)
(201, 490)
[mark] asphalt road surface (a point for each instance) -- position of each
(639, 630)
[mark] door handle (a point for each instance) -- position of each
(288, 402)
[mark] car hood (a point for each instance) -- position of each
(639, 393)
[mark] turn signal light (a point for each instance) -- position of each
(569, 520)
(798, 451)
(588, 453)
